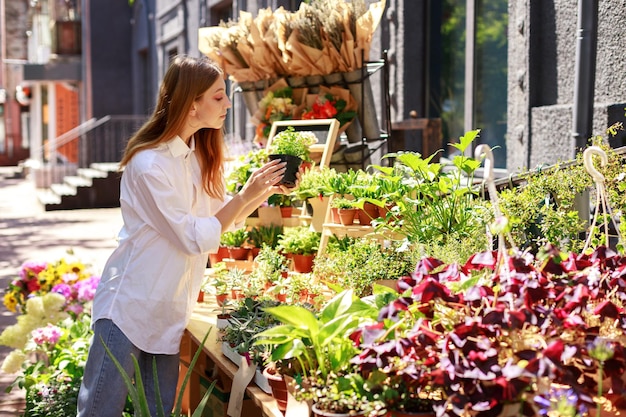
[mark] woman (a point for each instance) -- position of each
(172, 198)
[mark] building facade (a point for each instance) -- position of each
(507, 67)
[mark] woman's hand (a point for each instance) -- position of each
(264, 181)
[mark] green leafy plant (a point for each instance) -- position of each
(292, 142)
(305, 343)
(315, 348)
(362, 262)
(246, 320)
(300, 240)
(234, 238)
(436, 203)
(314, 183)
(341, 183)
(280, 200)
(265, 235)
(240, 170)
(217, 280)
(544, 210)
(342, 203)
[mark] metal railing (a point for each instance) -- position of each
(105, 142)
(98, 141)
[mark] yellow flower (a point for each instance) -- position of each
(10, 301)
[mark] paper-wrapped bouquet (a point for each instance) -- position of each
(319, 38)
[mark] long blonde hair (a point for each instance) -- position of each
(185, 81)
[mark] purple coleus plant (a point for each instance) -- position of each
(500, 331)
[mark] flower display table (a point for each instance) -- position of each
(212, 363)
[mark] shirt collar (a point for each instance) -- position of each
(178, 147)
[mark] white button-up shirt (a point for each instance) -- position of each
(150, 284)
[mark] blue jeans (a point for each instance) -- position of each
(103, 392)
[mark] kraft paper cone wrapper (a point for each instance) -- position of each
(366, 24)
(335, 91)
(361, 89)
(301, 57)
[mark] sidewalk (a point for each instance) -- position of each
(28, 233)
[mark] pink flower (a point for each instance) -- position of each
(63, 289)
(49, 334)
(30, 269)
(75, 308)
(86, 289)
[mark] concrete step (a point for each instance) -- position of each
(92, 173)
(108, 167)
(63, 189)
(49, 199)
(93, 187)
(77, 181)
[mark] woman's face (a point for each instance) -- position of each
(212, 106)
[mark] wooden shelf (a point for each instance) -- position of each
(203, 320)
(330, 228)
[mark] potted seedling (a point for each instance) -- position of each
(234, 240)
(302, 244)
(264, 235)
(345, 210)
(292, 147)
(217, 281)
(282, 201)
(314, 191)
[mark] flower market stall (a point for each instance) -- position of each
(526, 319)
(312, 63)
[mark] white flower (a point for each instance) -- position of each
(13, 362)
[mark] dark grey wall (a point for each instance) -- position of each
(542, 72)
(111, 58)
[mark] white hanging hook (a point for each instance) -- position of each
(478, 154)
(588, 162)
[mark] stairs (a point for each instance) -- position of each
(95, 187)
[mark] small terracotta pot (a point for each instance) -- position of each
(221, 299)
(347, 215)
(303, 263)
(368, 213)
(279, 388)
(334, 215)
(236, 294)
(221, 253)
(238, 253)
(201, 296)
(286, 211)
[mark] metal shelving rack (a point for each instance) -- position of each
(367, 70)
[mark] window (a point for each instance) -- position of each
(488, 62)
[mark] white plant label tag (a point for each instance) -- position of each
(242, 378)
